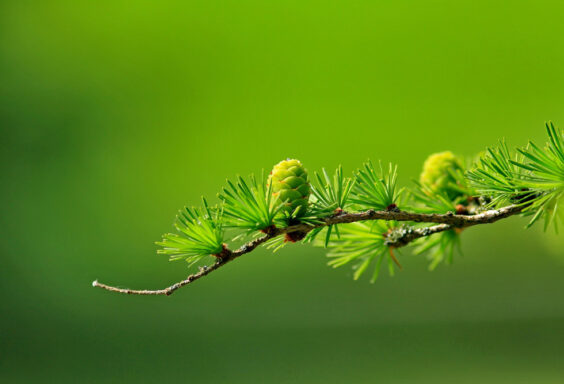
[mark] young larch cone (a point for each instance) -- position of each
(436, 173)
(290, 184)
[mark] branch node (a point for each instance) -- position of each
(224, 254)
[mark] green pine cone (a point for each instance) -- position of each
(436, 174)
(290, 184)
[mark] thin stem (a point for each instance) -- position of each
(407, 235)
(229, 256)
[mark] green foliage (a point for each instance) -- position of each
(332, 196)
(201, 234)
(499, 178)
(544, 175)
(440, 247)
(532, 177)
(429, 200)
(376, 189)
(314, 215)
(361, 244)
(249, 206)
(332, 193)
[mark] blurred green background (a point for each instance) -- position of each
(114, 114)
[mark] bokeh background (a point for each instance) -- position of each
(114, 114)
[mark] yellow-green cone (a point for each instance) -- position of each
(290, 184)
(436, 173)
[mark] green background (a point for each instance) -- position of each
(114, 114)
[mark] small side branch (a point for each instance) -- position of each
(445, 222)
(404, 236)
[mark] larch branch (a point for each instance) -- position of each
(407, 234)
